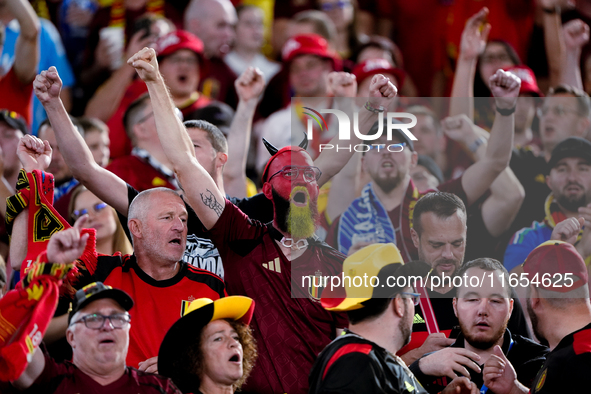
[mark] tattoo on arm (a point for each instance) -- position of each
(211, 202)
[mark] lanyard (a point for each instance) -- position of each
(484, 389)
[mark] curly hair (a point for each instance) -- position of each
(195, 355)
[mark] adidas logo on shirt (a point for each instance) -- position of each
(273, 265)
(418, 319)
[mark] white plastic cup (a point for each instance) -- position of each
(114, 37)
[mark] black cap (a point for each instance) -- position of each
(96, 291)
(570, 147)
(431, 166)
(402, 137)
(217, 113)
(14, 120)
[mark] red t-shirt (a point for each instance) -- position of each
(158, 303)
(15, 96)
(290, 330)
(138, 173)
(66, 378)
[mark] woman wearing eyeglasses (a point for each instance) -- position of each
(110, 237)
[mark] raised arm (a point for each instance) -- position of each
(249, 87)
(337, 165)
(506, 193)
(26, 49)
(553, 40)
(575, 34)
(33, 154)
(344, 85)
(472, 45)
(107, 98)
(480, 175)
(104, 184)
(200, 189)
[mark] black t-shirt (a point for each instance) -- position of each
(526, 356)
(199, 250)
(531, 170)
(352, 364)
(567, 367)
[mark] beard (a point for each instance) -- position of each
(404, 327)
(483, 343)
(388, 184)
(298, 221)
(572, 204)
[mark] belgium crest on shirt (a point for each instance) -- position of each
(185, 304)
(316, 285)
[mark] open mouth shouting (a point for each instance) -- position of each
(299, 196)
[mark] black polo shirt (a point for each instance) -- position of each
(568, 367)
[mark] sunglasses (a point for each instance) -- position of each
(96, 208)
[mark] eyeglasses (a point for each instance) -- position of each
(291, 173)
(382, 148)
(96, 208)
(96, 321)
(558, 110)
(416, 297)
(336, 5)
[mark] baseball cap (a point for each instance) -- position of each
(402, 137)
(556, 257)
(175, 350)
(177, 40)
(96, 291)
(379, 260)
(371, 67)
(307, 44)
(529, 83)
(14, 120)
(217, 113)
(570, 147)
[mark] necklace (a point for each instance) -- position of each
(294, 245)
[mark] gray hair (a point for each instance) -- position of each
(140, 204)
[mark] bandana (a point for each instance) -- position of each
(286, 161)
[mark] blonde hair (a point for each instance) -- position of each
(120, 241)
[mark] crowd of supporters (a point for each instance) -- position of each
(180, 190)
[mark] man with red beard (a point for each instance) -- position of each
(277, 265)
(483, 312)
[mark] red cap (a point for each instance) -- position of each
(307, 44)
(556, 257)
(529, 84)
(177, 40)
(370, 67)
